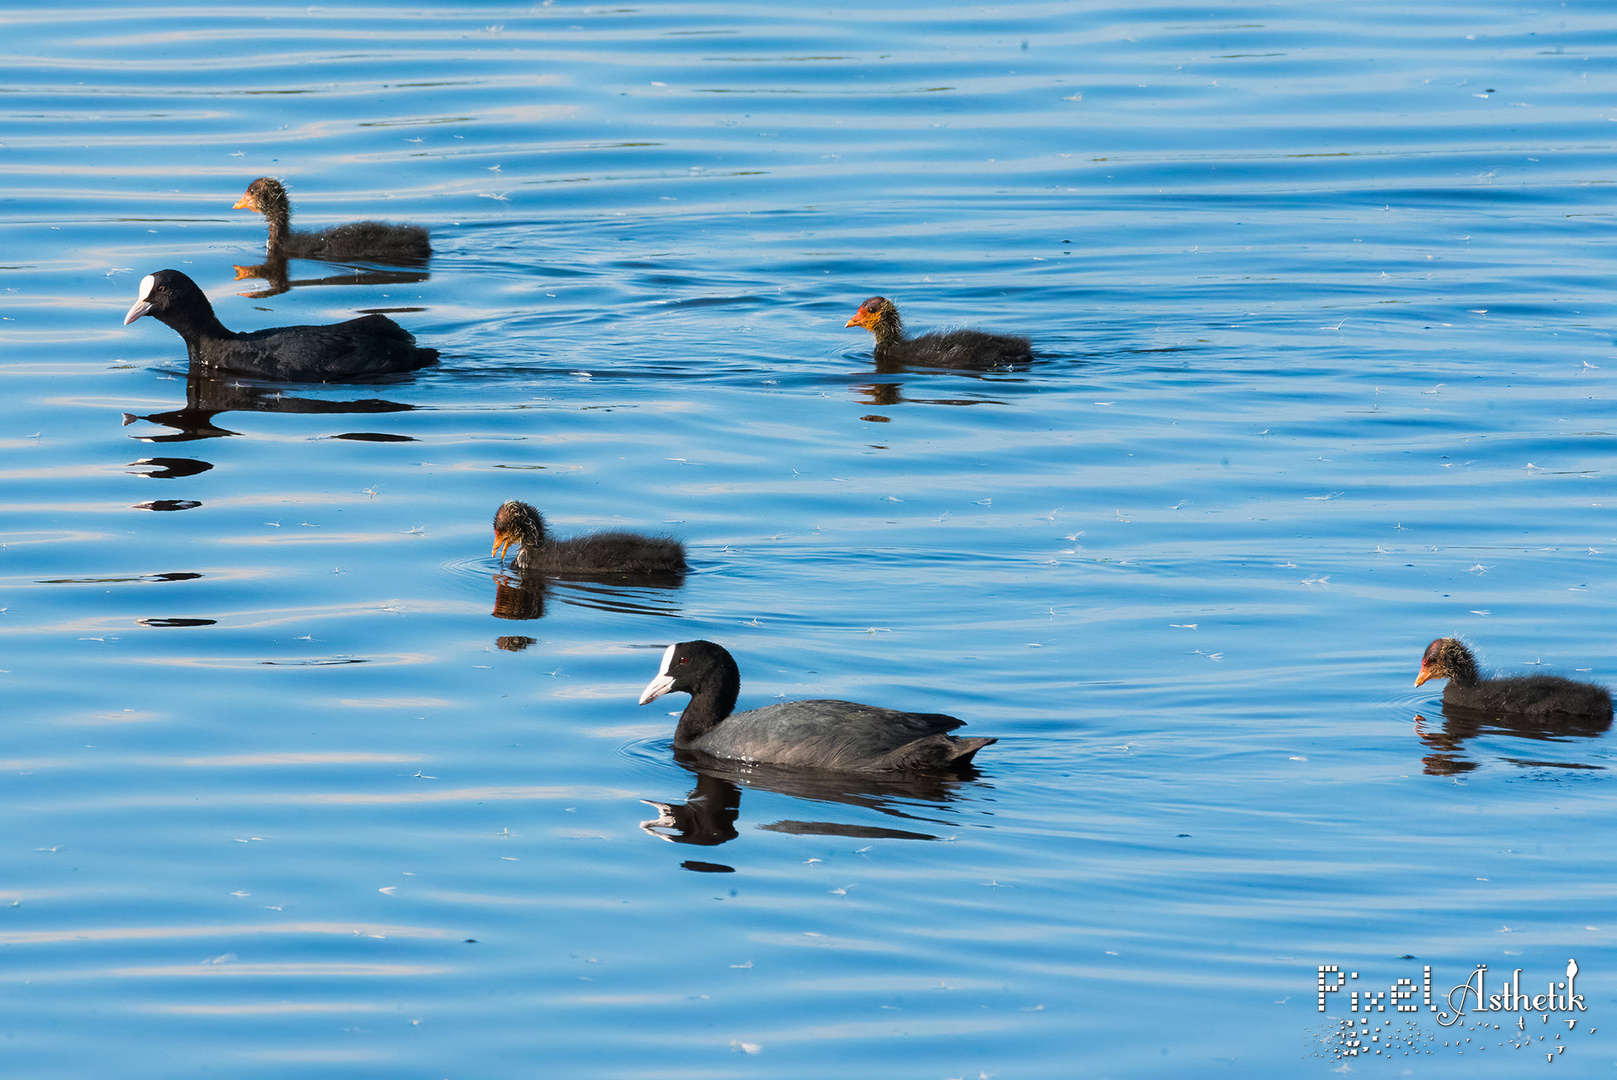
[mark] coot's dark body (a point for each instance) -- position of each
(841, 736)
(614, 552)
(1531, 696)
(822, 734)
(942, 348)
(374, 240)
(347, 351)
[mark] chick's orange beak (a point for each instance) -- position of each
(502, 543)
(1423, 676)
(245, 203)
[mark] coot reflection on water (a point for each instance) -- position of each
(832, 736)
(1513, 695)
(941, 348)
(519, 525)
(709, 814)
(375, 240)
(206, 397)
(347, 351)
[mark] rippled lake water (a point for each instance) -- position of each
(1322, 302)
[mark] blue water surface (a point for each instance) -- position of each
(1321, 299)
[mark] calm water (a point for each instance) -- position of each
(1324, 311)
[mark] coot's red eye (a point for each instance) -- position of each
(684, 660)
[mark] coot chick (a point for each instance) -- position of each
(941, 348)
(356, 349)
(516, 524)
(375, 240)
(833, 736)
(1518, 695)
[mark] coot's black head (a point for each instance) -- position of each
(517, 523)
(170, 297)
(697, 668)
(876, 315)
(265, 195)
(1448, 658)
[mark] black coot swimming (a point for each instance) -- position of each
(346, 351)
(833, 736)
(1512, 695)
(374, 240)
(516, 524)
(942, 348)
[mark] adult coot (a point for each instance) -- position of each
(375, 240)
(942, 348)
(516, 524)
(356, 349)
(1513, 695)
(834, 736)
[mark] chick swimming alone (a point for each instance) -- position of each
(941, 348)
(825, 735)
(1511, 695)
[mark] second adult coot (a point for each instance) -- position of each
(1512, 695)
(826, 735)
(519, 525)
(941, 348)
(378, 241)
(347, 351)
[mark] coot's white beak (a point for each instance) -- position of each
(656, 688)
(143, 304)
(663, 683)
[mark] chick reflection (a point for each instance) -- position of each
(206, 398)
(273, 271)
(709, 814)
(1447, 743)
(892, 393)
(525, 596)
(519, 598)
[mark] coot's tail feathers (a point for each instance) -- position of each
(933, 752)
(965, 749)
